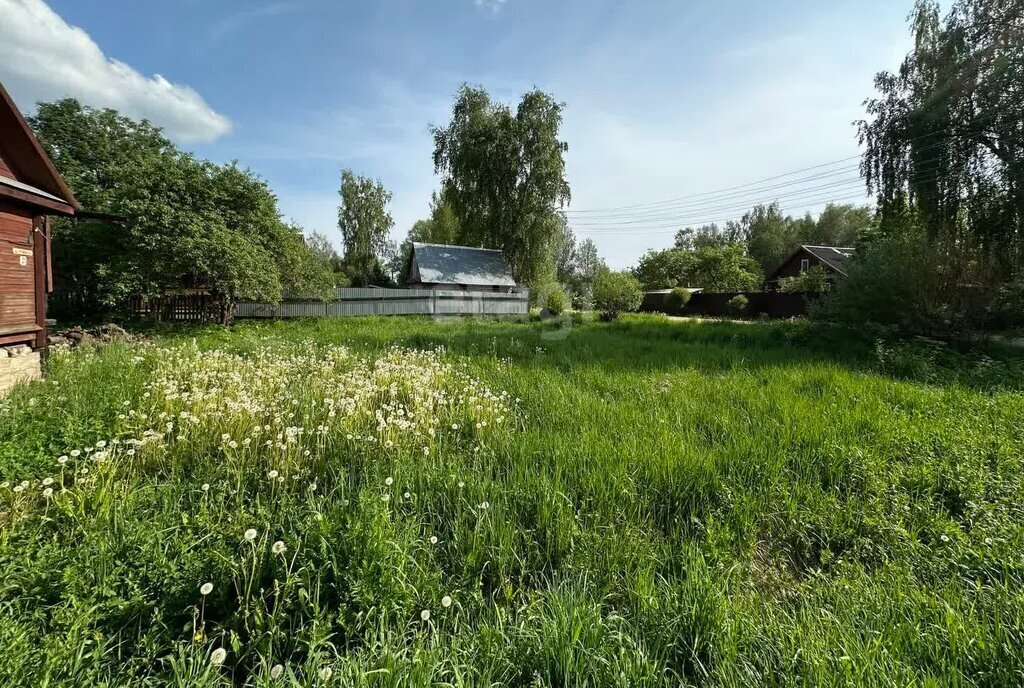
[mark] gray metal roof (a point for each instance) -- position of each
(834, 256)
(438, 264)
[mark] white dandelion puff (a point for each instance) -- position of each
(433, 539)
(205, 487)
(47, 481)
(446, 601)
(218, 656)
(250, 534)
(278, 547)
(205, 589)
(425, 615)
(389, 481)
(276, 671)
(48, 492)
(326, 673)
(272, 475)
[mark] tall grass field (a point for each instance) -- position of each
(408, 502)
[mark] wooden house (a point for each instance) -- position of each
(31, 191)
(832, 259)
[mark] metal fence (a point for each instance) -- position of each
(351, 301)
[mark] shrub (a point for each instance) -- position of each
(738, 304)
(615, 292)
(556, 300)
(677, 299)
(812, 280)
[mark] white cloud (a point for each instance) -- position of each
(236, 21)
(42, 57)
(490, 5)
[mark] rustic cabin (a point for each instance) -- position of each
(832, 259)
(459, 268)
(31, 191)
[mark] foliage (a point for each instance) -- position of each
(190, 224)
(615, 293)
(810, 280)
(713, 267)
(504, 177)
(670, 503)
(556, 301)
(691, 239)
(738, 304)
(945, 130)
(364, 223)
(677, 299)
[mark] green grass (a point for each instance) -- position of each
(668, 503)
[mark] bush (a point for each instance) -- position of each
(616, 292)
(676, 300)
(812, 280)
(738, 304)
(556, 300)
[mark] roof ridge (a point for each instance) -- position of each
(470, 248)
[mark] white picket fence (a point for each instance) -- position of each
(353, 302)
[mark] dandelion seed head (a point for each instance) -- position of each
(218, 656)
(276, 671)
(250, 534)
(389, 481)
(425, 615)
(205, 589)
(433, 539)
(446, 601)
(278, 547)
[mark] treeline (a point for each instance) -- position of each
(189, 224)
(738, 255)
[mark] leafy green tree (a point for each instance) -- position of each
(723, 268)
(945, 130)
(364, 223)
(770, 235)
(504, 176)
(615, 293)
(691, 238)
(664, 269)
(190, 224)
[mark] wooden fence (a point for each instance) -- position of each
(352, 302)
(197, 308)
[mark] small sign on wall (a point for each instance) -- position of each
(23, 255)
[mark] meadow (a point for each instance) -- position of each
(404, 502)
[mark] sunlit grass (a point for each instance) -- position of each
(409, 502)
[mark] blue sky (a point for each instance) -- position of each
(664, 98)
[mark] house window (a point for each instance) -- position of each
(805, 263)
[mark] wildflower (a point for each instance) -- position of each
(233, 444)
(272, 475)
(326, 673)
(19, 488)
(63, 459)
(76, 453)
(250, 534)
(218, 656)
(425, 615)
(433, 539)
(205, 487)
(130, 452)
(485, 506)
(446, 601)
(944, 538)
(462, 483)
(205, 589)
(48, 492)
(389, 481)
(407, 495)
(426, 451)
(5, 484)
(276, 671)
(198, 637)
(47, 481)
(455, 426)
(101, 444)
(278, 547)
(988, 541)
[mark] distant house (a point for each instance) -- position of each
(832, 259)
(435, 266)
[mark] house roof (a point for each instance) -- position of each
(37, 179)
(439, 264)
(833, 256)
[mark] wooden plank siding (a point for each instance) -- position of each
(18, 308)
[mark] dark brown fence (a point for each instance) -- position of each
(716, 304)
(198, 308)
